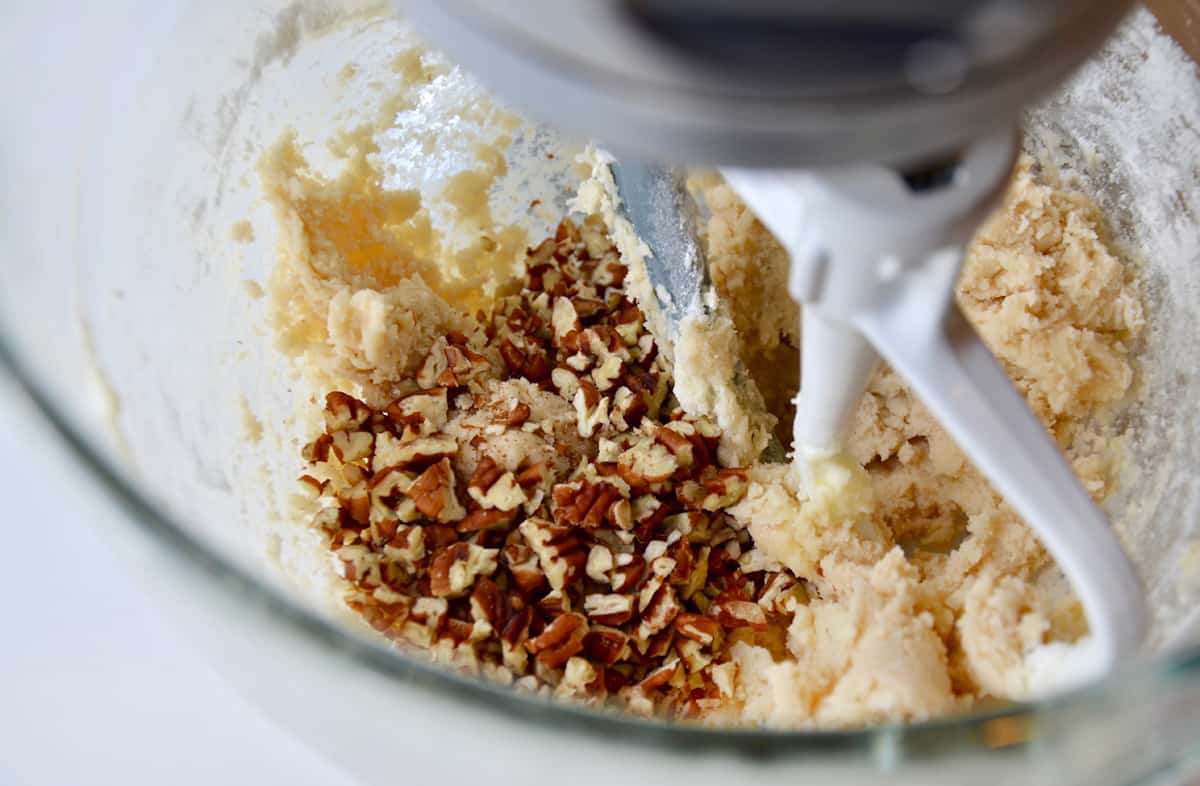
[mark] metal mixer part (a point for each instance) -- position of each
(771, 82)
(655, 200)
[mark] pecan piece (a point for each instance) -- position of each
(406, 546)
(318, 450)
(559, 641)
(433, 493)
(425, 411)
(487, 602)
(605, 646)
(344, 412)
(680, 446)
(628, 572)
(417, 453)
(524, 568)
(660, 612)
(660, 676)
(493, 488)
(558, 550)
(646, 463)
(698, 627)
(600, 563)
(611, 609)
(482, 519)
(628, 408)
(454, 569)
(350, 446)
(584, 504)
(590, 409)
(734, 613)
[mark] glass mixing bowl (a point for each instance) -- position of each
(129, 129)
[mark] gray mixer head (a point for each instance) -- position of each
(771, 82)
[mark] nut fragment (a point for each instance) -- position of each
(433, 493)
(425, 411)
(344, 412)
(605, 646)
(610, 609)
(423, 451)
(559, 552)
(591, 410)
(647, 462)
(732, 613)
(561, 639)
(698, 627)
(495, 489)
(455, 568)
(599, 563)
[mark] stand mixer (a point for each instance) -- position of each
(871, 138)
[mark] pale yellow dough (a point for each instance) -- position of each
(924, 589)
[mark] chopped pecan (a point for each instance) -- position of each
(605, 646)
(495, 585)
(516, 626)
(433, 493)
(524, 567)
(425, 411)
(726, 489)
(481, 519)
(584, 504)
(455, 568)
(406, 546)
(564, 319)
(344, 412)
(434, 365)
(698, 627)
(518, 414)
(493, 488)
(658, 609)
(606, 374)
(487, 602)
(356, 501)
(610, 609)
(648, 512)
(417, 453)
(781, 593)
(628, 572)
(438, 536)
(559, 641)
(679, 445)
(600, 564)
(552, 604)
(559, 552)
(566, 382)
(733, 613)
(317, 451)
(350, 446)
(646, 463)
(311, 487)
(590, 409)
(659, 676)
(695, 656)
(628, 408)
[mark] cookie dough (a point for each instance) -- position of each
(924, 593)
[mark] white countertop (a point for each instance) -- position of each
(95, 686)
